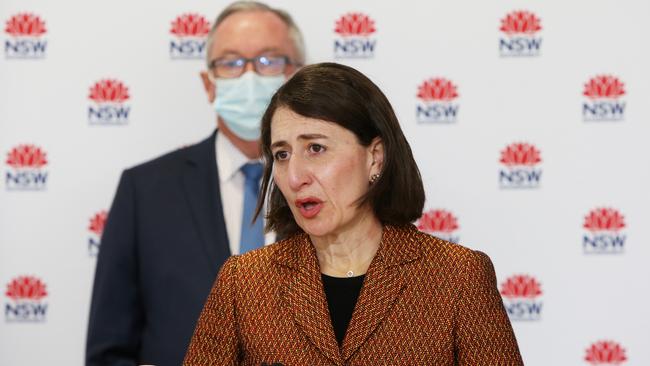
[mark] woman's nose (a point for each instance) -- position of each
(299, 173)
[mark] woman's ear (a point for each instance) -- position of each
(376, 150)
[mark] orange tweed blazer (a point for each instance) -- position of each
(424, 301)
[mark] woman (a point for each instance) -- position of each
(354, 283)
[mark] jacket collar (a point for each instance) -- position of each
(200, 180)
(384, 282)
(398, 246)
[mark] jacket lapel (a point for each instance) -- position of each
(304, 296)
(201, 186)
(382, 286)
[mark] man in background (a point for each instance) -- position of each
(176, 219)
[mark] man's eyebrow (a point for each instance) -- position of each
(229, 52)
(306, 136)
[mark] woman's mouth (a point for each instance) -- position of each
(309, 206)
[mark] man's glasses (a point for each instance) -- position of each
(263, 65)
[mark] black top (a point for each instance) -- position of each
(342, 295)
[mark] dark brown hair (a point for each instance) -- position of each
(342, 95)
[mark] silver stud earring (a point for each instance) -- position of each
(373, 178)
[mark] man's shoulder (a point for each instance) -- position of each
(173, 160)
(167, 159)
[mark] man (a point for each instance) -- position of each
(176, 219)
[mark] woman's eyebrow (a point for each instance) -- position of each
(306, 136)
(311, 136)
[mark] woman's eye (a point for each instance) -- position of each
(316, 148)
(281, 155)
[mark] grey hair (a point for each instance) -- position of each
(239, 6)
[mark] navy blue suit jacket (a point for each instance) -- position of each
(164, 241)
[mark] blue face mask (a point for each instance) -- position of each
(241, 102)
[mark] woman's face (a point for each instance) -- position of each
(322, 170)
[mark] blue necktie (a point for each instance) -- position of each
(252, 235)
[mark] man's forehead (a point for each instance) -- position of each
(250, 33)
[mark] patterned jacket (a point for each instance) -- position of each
(424, 301)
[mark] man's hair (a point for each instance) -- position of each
(241, 6)
(342, 95)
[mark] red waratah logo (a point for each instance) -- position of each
(437, 89)
(25, 25)
(190, 25)
(520, 22)
(26, 156)
(97, 222)
(521, 286)
(26, 288)
(109, 91)
(355, 24)
(605, 353)
(604, 86)
(438, 221)
(604, 219)
(520, 153)
(96, 227)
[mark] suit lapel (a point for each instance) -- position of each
(304, 296)
(382, 287)
(201, 186)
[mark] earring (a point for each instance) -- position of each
(373, 178)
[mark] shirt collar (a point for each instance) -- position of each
(229, 158)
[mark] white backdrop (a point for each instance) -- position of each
(526, 169)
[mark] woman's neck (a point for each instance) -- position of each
(349, 253)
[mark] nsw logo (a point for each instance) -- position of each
(354, 31)
(519, 30)
(25, 300)
(96, 228)
(603, 99)
(26, 169)
(25, 41)
(605, 353)
(441, 224)
(604, 232)
(436, 101)
(108, 103)
(520, 166)
(521, 297)
(189, 33)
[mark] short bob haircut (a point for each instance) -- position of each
(344, 96)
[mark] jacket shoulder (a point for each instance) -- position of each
(443, 252)
(167, 160)
(262, 258)
(172, 162)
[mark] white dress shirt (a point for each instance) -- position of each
(231, 181)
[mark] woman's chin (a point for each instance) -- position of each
(315, 229)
